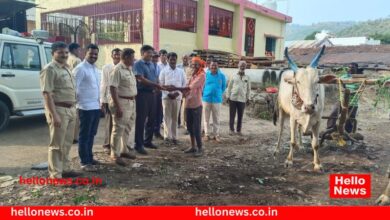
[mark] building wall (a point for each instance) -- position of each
(105, 52)
(180, 42)
(148, 21)
(54, 5)
(184, 42)
(266, 25)
(221, 43)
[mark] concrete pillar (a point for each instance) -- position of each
(156, 25)
(151, 22)
(238, 28)
(203, 24)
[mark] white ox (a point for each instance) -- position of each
(301, 97)
(384, 199)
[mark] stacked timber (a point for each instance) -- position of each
(230, 60)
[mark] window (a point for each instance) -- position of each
(6, 59)
(48, 54)
(178, 15)
(221, 22)
(110, 22)
(270, 45)
(120, 27)
(20, 56)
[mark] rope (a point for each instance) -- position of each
(340, 92)
(357, 95)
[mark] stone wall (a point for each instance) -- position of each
(262, 104)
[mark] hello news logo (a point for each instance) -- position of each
(350, 186)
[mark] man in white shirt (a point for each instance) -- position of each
(105, 96)
(238, 93)
(163, 59)
(88, 104)
(159, 112)
(171, 76)
(209, 59)
(185, 66)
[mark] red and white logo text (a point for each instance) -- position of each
(351, 186)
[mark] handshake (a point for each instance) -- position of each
(171, 88)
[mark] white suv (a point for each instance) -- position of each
(21, 62)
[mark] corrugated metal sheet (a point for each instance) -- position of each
(302, 44)
(364, 55)
(352, 41)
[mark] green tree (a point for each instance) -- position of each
(312, 36)
(384, 38)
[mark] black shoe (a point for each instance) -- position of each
(151, 145)
(190, 150)
(70, 174)
(75, 141)
(119, 161)
(107, 149)
(128, 156)
(158, 136)
(199, 153)
(141, 151)
(95, 162)
(175, 142)
(167, 141)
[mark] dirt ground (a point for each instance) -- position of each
(237, 171)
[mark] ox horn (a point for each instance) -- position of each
(292, 64)
(317, 58)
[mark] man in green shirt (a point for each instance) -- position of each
(353, 101)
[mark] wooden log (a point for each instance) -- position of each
(356, 80)
(344, 111)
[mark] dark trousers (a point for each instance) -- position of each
(159, 113)
(144, 119)
(89, 122)
(107, 126)
(179, 122)
(194, 123)
(236, 107)
(336, 109)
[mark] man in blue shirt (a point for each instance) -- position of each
(214, 88)
(147, 86)
(159, 111)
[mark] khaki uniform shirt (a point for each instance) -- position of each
(239, 88)
(124, 80)
(188, 72)
(73, 61)
(58, 80)
(105, 78)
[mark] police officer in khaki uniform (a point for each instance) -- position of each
(58, 88)
(123, 88)
(73, 61)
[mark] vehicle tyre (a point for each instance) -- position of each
(4, 115)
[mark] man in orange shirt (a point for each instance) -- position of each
(193, 95)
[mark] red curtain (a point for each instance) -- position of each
(221, 22)
(178, 15)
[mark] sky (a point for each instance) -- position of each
(314, 11)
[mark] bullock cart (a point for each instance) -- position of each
(338, 133)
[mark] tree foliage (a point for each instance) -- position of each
(312, 36)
